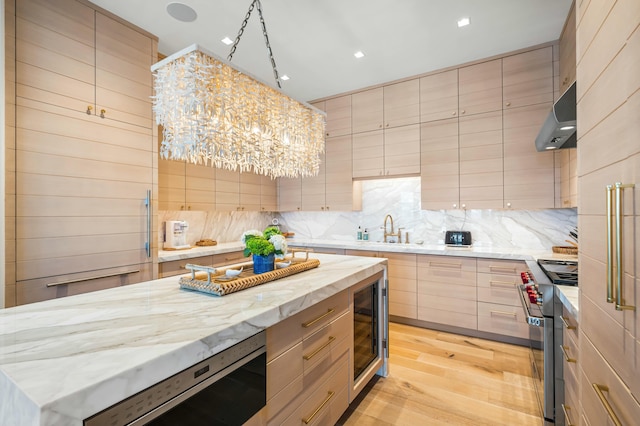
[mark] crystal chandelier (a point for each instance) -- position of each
(213, 113)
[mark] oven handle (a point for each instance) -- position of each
(531, 320)
(163, 408)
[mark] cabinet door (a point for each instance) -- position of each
(338, 116)
(367, 111)
(440, 170)
(123, 76)
(368, 154)
(338, 166)
(171, 185)
(268, 194)
(313, 189)
(402, 103)
(480, 87)
(55, 54)
(481, 167)
(439, 96)
(402, 150)
(566, 177)
(250, 191)
(403, 284)
(568, 51)
(289, 194)
(227, 190)
(200, 186)
(527, 78)
(528, 174)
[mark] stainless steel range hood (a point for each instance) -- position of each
(559, 129)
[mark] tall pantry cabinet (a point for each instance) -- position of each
(84, 151)
(608, 95)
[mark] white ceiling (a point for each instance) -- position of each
(313, 41)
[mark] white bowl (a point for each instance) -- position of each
(281, 265)
(233, 272)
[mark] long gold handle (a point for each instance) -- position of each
(504, 314)
(566, 355)
(565, 410)
(446, 265)
(315, 320)
(566, 323)
(317, 351)
(599, 389)
(504, 284)
(620, 306)
(502, 269)
(308, 420)
(609, 246)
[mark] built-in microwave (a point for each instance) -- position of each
(369, 305)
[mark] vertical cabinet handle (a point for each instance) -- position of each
(599, 391)
(617, 295)
(147, 202)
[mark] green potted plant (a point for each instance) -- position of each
(264, 246)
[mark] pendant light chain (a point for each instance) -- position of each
(264, 32)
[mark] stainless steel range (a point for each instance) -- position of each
(545, 332)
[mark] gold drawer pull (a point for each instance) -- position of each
(309, 419)
(502, 269)
(565, 410)
(503, 284)
(317, 351)
(313, 321)
(504, 314)
(566, 355)
(566, 323)
(446, 265)
(599, 389)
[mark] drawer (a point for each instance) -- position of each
(327, 397)
(502, 319)
(570, 353)
(230, 258)
(571, 409)
(451, 304)
(444, 269)
(456, 319)
(403, 284)
(283, 370)
(500, 289)
(570, 325)
(326, 250)
(502, 267)
(403, 310)
(177, 267)
(624, 406)
(327, 343)
(452, 291)
(365, 253)
(289, 332)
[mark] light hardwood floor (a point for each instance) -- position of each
(440, 378)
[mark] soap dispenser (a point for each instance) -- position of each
(365, 235)
(359, 234)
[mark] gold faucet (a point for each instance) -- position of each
(390, 234)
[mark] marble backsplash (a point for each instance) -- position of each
(528, 229)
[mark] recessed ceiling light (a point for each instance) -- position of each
(227, 41)
(463, 22)
(359, 54)
(567, 127)
(284, 77)
(181, 12)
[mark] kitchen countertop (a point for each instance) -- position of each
(569, 296)
(66, 359)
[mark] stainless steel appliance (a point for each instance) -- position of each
(559, 128)
(541, 308)
(457, 238)
(370, 313)
(225, 389)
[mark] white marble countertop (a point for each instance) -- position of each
(64, 360)
(570, 296)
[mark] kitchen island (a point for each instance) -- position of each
(64, 360)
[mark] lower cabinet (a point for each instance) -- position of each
(178, 267)
(308, 364)
(447, 291)
(570, 409)
(499, 307)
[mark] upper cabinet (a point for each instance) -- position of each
(568, 51)
(527, 78)
(402, 103)
(439, 96)
(338, 116)
(480, 87)
(367, 110)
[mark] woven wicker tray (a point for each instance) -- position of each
(565, 249)
(214, 281)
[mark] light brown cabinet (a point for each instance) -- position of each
(367, 110)
(527, 79)
(389, 152)
(447, 291)
(567, 46)
(570, 368)
(338, 122)
(608, 152)
(440, 165)
(402, 103)
(439, 96)
(499, 308)
(81, 176)
(480, 88)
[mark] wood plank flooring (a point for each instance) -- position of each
(439, 378)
